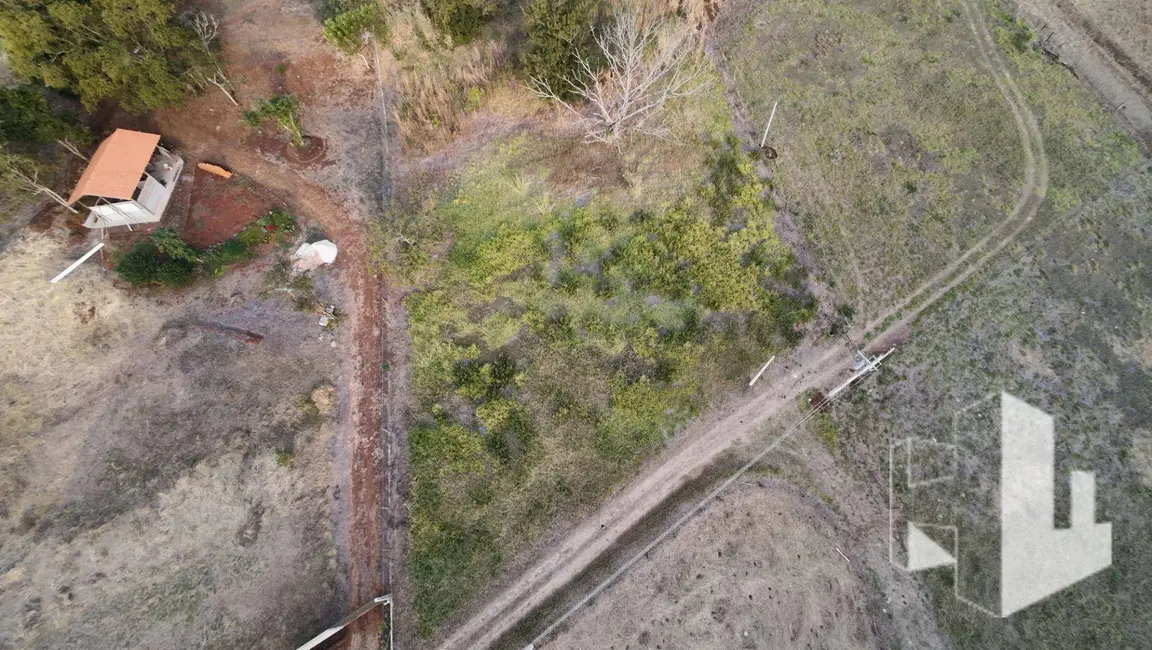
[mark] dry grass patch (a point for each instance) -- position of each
(437, 84)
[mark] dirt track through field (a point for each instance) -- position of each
(706, 440)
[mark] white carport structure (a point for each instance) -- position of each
(131, 176)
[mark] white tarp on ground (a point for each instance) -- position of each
(314, 255)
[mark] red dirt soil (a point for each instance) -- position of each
(221, 207)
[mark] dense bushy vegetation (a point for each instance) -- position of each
(555, 346)
(129, 51)
(164, 258)
(556, 30)
(27, 118)
(460, 19)
(147, 263)
(348, 24)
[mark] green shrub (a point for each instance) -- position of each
(169, 243)
(139, 266)
(272, 226)
(26, 117)
(229, 252)
(557, 30)
(175, 273)
(282, 109)
(509, 425)
(279, 220)
(285, 458)
(349, 30)
(163, 258)
(460, 19)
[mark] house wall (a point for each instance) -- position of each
(119, 214)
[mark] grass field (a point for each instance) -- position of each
(1066, 327)
(1069, 330)
(897, 150)
(558, 342)
(1065, 323)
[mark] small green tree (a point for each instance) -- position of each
(350, 29)
(175, 273)
(162, 258)
(129, 51)
(168, 242)
(26, 117)
(558, 31)
(139, 266)
(281, 109)
(460, 19)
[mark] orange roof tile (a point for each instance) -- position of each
(116, 166)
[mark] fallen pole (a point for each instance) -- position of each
(346, 621)
(765, 138)
(75, 264)
(762, 369)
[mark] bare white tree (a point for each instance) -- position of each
(23, 173)
(207, 29)
(646, 68)
(71, 147)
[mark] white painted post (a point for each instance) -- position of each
(762, 369)
(75, 264)
(360, 611)
(765, 138)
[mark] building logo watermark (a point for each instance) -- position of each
(984, 503)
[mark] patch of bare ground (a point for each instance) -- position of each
(758, 570)
(168, 520)
(165, 485)
(784, 559)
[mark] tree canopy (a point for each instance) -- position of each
(129, 51)
(26, 118)
(460, 19)
(557, 31)
(350, 25)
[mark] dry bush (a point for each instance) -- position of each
(647, 68)
(436, 86)
(697, 14)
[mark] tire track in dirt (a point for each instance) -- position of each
(382, 491)
(704, 442)
(1031, 193)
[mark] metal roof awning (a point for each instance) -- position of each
(115, 168)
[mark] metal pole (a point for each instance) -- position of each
(360, 611)
(75, 264)
(762, 369)
(765, 138)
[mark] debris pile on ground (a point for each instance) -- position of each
(314, 255)
(329, 317)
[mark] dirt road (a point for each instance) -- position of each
(278, 47)
(706, 440)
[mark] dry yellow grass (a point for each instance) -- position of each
(436, 85)
(56, 339)
(56, 336)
